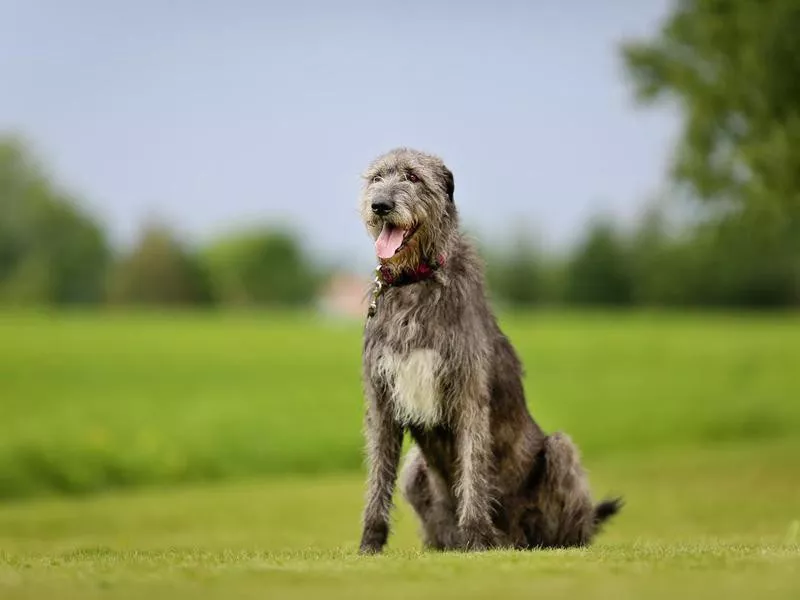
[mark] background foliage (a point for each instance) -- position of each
(53, 253)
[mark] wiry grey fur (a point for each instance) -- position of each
(481, 474)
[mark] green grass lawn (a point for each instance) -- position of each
(91, 402)
(716, 522)
(186, 456)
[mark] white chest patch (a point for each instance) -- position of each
(413, 383)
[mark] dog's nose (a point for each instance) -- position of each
(382, 207)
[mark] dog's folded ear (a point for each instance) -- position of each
(449, 183)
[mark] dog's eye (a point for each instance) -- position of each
(412, 178)
(377, 178)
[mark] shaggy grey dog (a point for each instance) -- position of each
(481, 474)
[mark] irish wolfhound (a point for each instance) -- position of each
(481, 474)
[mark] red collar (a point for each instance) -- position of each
(384, 279)
(424, 270)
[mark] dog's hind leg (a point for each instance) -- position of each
(564, 514)
(428, 495)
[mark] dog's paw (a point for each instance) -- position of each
(367, 549)
(373, 540)
(478, 538)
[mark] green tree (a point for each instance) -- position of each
(159, 271)
(517, 273)
(599, 272)
(662, 262)
(51, 251)
(733, 66)
(261, 267)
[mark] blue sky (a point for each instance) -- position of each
(212, 115)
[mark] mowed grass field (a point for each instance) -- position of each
(220, 455)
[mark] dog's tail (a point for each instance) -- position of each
(607, 509)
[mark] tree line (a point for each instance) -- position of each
(53, 252)
(651, 265)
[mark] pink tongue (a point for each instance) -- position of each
(388, 241)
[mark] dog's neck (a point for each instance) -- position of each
(385, 277)
(425, 269)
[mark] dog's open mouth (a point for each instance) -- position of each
(391, 240)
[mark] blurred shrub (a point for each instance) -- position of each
(600, 271)
(656, 277)
(731, 262)
(517, 274)
(260, 267)
(717, 264)
(51, 252)
(159, 271)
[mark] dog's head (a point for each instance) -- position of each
(407, 206)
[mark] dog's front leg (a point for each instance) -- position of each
(384, 444)
(474, 489)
